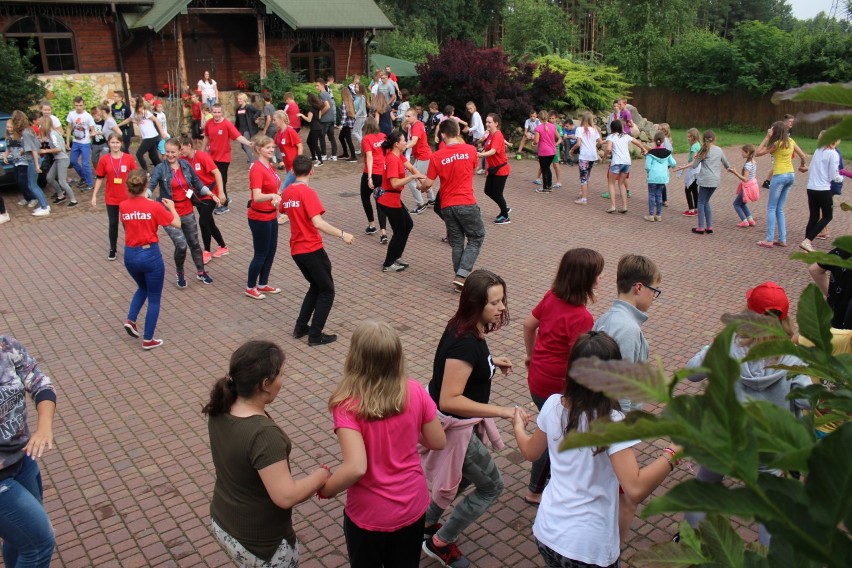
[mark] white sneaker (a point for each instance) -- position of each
(41, 212)
(4, 218)
(32, 203)
(333, 158)
(22, 202)
(324, 157)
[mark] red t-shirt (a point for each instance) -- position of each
(196, 111)
(421, 149)
(455, 164)
(394, 168)
(180, 185)
(560, 324)
(288, 142)
(301, 204)
(268, 181)
(293, 114)
(115, 171)
(203, 166)
(372, 144)
(220, 135)
(141, 217)
(497, 142)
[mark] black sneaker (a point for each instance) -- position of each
(419, 209)
(111, 255)
(323, 339)
(430, 530)
(58, 199)
(766, 184)
(181, 280)
(370, 230)
(430, 203)
(449, 555)
(72, 203)
(300, 331)
(383, 240)
(204, 277)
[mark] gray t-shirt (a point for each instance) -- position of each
(30, 143)
(269, 110)
(331, 114)
(711, 167)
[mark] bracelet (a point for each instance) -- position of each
(668, 459)
(671, 457)
(341, 233)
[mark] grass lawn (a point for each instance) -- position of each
(729, 138)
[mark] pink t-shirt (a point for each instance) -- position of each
(546, 139)
(560, 324)
(393, 493)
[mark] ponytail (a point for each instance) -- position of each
(252, 363)
(222, 397)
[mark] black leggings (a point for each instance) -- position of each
(207, 224)
(494, 186)
(2, 206)
(399, 548)
(112, 216)
(223, 169)
(544, 162)
(346, 146)
(314, 144)
(401, 225)
(820, 205)
(366, 196)
(691, 196)
(149, 146)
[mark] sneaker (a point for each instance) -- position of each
(181, 280)
(267, 289)
(73, 203)
(623, 211)
(518, 157)
(581, 201)
(58, 199)
(449, 556)
(665, 203)
(418, 209)
(806, 246)
(383, 240)
(221, 210)
(317, 163)
(629, 195)
(111, 255)
(149, 344)
(430, 530)
(502, 220)
(86, 188)
(509, 210)
(557, 185)
(22, 202)
(254, 293)
(324, 158)
(41, 212)
(766, 184)
(650, 218)
(402, 262)
(709, 230)
(480, 172)
(370, 230)
(430, 203)
(543, 190)
(82, 183)
(698, 231)
(751, 223)
(687, 213)
(395, 267)
(605, 195)
(221, 251)
(333, 158)
(342, 157)
(352, 160)
(204, 277)
(658, 218)
(743, 224)
(4, 218)
(206, 256)
(32, 203)
(131, 329)
(323, 339)
(611, 210)
(765, 244)
(300, 331)
(537, 181)
(821, 237)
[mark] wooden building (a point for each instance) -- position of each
(154, 41)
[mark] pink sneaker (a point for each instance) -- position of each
(206, 256)
(743, 224)
(751, 223)
(221, 251)
(254, 294)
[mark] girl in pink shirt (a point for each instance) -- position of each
(379, 416)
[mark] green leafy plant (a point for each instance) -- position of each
(65, 90)
(809, 520)
(19, 90)
(592, 87)
(832, 93)
(277, 81)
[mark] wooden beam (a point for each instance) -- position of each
(180, 57)
(261, 46)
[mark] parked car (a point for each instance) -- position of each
(7, 174)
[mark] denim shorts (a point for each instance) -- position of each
(619, 169)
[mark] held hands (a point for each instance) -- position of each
(504, 364)
(38, 441)
(520, 418)
(803, 168)
(170, 205)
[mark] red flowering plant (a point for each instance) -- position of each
(242, 85)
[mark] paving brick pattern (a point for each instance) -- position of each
(129, 481)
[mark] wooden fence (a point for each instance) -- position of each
(683, 109)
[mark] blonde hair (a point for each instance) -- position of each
(694, 134)
(749, 150)
(282, 115)
(374, 381)
(379, 103)
(665, 129)
(348, 102)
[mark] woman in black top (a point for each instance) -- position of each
(461, 387)
(313, 117)
(246, 115)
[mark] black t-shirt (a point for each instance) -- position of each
(471, 350)
(99, 129)
(120, 113)
(840, 292)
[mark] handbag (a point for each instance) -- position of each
(494, 169)
(436, 207)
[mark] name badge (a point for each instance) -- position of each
(198, 167)
(189, 194)
(117, 181)
(123, 169)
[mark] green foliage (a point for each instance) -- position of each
(835, 94)
(765, 55)
(448, 19)
(18, 89)
(537, 27)
(808, 519)
(277, 81)
(592, 87)
(65, 90)
(406, 45)
(722, 16)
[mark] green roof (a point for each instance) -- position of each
(329, 14)
(298, 14)
(400, 67)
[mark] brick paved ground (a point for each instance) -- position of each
(130, 479)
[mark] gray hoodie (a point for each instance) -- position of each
(757, 380)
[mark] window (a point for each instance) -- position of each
(52, 42)
(313, 58)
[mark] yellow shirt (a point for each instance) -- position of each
(783, 157)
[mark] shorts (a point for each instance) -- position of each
(619, 169)
(161, 147)
(585, 167)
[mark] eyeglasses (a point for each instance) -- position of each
(656, 291)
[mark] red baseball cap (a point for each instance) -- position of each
(148, 97)
(768, 296)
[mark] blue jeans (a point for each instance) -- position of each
(264, 236)
(779, 187)
(22, 178)
(705, 214)
(28, 538)
(82, 153)
(288, 179)
(33, 187)
(655, 198)
(741, 208)
(146, 267)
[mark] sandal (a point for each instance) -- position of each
(780, 244)
(611, 210)
(765, 244)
